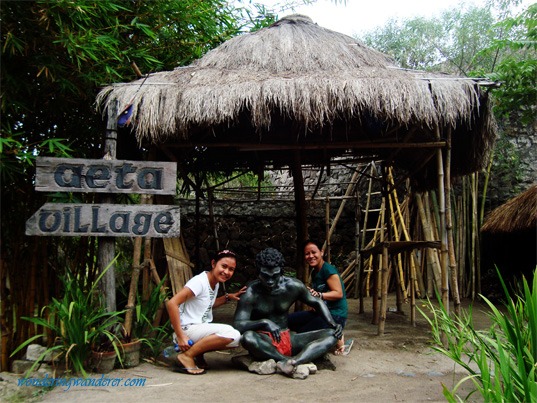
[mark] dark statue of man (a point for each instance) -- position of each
(261, 317)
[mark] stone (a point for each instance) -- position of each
(21, 366)
(263, 367)
(311, 367)
(35, 351)
(301, 372)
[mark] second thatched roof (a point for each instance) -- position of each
(296, 83)
(517, 214)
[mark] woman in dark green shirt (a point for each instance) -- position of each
(326, 283)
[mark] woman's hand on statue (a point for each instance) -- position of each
(236, 295)
(314, 293)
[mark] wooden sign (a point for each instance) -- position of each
(105, 176)
(115, 220)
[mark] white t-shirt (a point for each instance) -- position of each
(198, 309)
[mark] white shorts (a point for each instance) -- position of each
(199, 331)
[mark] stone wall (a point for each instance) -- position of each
(249, 227)
(515, 164)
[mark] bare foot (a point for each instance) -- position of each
(189, 365)
(288, 367)
(339, 349)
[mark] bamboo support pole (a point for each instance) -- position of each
(462, 242)
(399, 268)
(358, 259)
(146, 281)
(384, 234)
(452, 262)
(474, 234)
(327, 228)
(443, 231)
(407, 238)
(146, 286)
(133, 289)
(131, 300)
(432, 257)
(384, 292)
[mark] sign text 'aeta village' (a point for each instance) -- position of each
(105, 176)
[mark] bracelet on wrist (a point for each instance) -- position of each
(321, 295)
(226, 295)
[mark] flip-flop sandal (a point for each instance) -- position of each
(187, 371)
(348, 346)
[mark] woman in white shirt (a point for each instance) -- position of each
(191, 314)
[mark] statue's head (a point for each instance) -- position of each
(269, 263)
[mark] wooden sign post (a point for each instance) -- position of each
(105, 220)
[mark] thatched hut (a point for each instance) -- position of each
(295, 93)
(509, 237)
(295, 86)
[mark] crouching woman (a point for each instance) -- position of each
(191, 314)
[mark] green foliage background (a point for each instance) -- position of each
(56, 55)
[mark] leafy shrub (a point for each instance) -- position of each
(501, 361)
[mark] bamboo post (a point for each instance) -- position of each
(384, 233)
(473, 234)
(358, 258)
(449, 228)
(407, 238)
(384, 291)
(327, 227)
(160, 310)
(131, 300)
(432, 258)
(146, 289)
(462, 239)
(442, 225)
(399, 268)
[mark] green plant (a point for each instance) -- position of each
(501, 360)
(79, 322)
(144, 328)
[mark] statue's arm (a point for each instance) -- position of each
(320, 307)
(243, 316)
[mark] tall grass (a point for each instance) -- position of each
(501, 361)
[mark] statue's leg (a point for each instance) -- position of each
(260, 346)
(312, 345)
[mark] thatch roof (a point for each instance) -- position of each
(518, 214)
(296, 83)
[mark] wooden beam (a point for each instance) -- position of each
(244, 147)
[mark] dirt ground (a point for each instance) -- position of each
(399, 366)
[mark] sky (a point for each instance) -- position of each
(358, 16)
